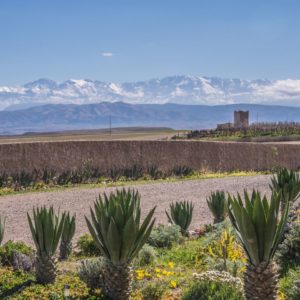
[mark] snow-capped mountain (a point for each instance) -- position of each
(175, 89)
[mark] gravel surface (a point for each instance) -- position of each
(161, 194)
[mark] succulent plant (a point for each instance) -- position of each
(46, 228)
(90, 272)
(260, 227)
(286, 183)
(217, 204)
(181, 214)
(66, 237)
(116, 227)
(2, 228)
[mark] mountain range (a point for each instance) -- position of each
(57, 117)
(173, 89)
(180, 102)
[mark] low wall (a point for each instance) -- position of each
(213, 156)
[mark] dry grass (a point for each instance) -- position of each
(133, 133)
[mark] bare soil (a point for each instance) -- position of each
(79, 200)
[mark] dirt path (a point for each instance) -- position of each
(78, 200)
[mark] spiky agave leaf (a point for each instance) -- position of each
(286, 183)
(217, 204)
(115, 225)
(67, 236)
(68, 228)
(46, 229)
(2, 228)
(258, 224)
(181, 214)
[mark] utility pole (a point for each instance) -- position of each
(110, 125)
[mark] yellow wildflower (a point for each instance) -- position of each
(140, 274)
(173, 284)
(171, 265)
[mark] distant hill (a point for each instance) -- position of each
(73, 117)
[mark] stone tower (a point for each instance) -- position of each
(241, 118)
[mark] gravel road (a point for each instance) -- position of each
(161, 194)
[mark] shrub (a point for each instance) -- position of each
(10, 280)
(89, 171)
(182, 171)
(288, 253)
(290, 284)
(154, 172)
(181, 214)
(90, 272)
(24, 179)
(48, 175)
(6, 251)
(87, 246)
(225, 254)
(64, 178)
(146, 255)
(214, 290)
(190, 254)
(22, 262)
(152, 291)
(133, 173)
(163, 236)
(115, 173)
(222, 277)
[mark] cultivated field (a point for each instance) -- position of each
(131, 133)
(78, 200)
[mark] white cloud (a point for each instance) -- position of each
(107, 54)
(280, 89)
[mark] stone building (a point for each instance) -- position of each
(241, 118)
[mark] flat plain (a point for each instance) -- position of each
(130, 133)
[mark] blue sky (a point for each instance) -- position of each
(129, 40)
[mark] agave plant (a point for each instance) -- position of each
(260, 227)
(46, 229)
(287, 184)
(116, 227)
(2, 228)
(181, 214)
(66, 237)
(217, 204)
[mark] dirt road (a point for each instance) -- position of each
(161, 194)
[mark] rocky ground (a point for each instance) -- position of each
(160, 194)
